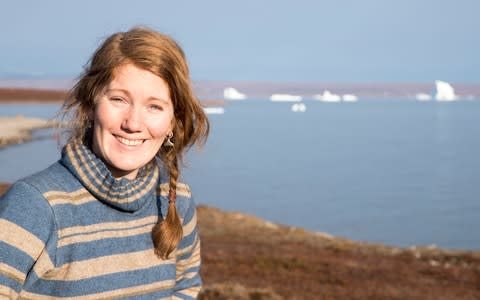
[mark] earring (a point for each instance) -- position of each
(168, 142)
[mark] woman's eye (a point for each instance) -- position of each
(116, 99)
(156, 107)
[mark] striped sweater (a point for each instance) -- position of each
(73, 231)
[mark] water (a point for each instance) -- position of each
(45, 111)
(391, 171)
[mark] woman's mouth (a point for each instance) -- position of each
(130, 142)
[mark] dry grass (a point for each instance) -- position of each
(297, 264)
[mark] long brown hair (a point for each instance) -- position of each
(161, 55)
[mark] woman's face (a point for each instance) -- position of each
(132, 117)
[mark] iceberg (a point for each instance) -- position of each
(285, 98)
(231, 93)
(327, 97)
(423, 97)
(214, 110)
(298, 107)
(350, 98)
(444, 91)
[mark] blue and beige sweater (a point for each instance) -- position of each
(73, 231)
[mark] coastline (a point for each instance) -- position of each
(207, 89)
(249, 258)
(18, 129)
(31, 95)
(24, 95)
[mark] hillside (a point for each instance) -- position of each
(245, 251)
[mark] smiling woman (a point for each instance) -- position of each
(109, 219)
(131, 120)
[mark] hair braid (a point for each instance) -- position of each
(167, 233)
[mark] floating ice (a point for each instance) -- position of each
(444, 91)
(285, 98)
(231, 93)
(423, 97)
(214, 110)
(327, 97)
(298, 107)
(350, 98)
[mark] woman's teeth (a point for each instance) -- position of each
(130, 142)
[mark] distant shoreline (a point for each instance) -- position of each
(18, 129)
(213, 89)
(39, 96)
(24, 95)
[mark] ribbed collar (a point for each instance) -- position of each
(123, 194)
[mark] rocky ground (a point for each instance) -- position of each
(259, 260)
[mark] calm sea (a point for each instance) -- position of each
(393, 171)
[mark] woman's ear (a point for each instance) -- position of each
(91, 114)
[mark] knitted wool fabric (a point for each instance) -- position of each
(73, 231)
(124, 194)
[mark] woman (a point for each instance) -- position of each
(109, 219)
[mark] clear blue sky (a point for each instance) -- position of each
(297, 40)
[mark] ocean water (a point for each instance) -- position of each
(394, 171)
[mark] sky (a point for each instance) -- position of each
(273, 40)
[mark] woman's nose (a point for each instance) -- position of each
(132, 121)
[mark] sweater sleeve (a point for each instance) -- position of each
(188, 281)
(26, 225)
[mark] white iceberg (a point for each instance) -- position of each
(285, 98)
(444, 91)
(327, 96)
(349, 98)
(423, 97)
(214, 110)
(299, 107)
(231, 93)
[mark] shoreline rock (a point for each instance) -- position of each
(18, 129)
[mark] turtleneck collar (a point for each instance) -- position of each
(122, 194)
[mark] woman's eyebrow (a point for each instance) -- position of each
(126, 92)
(118, 90)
